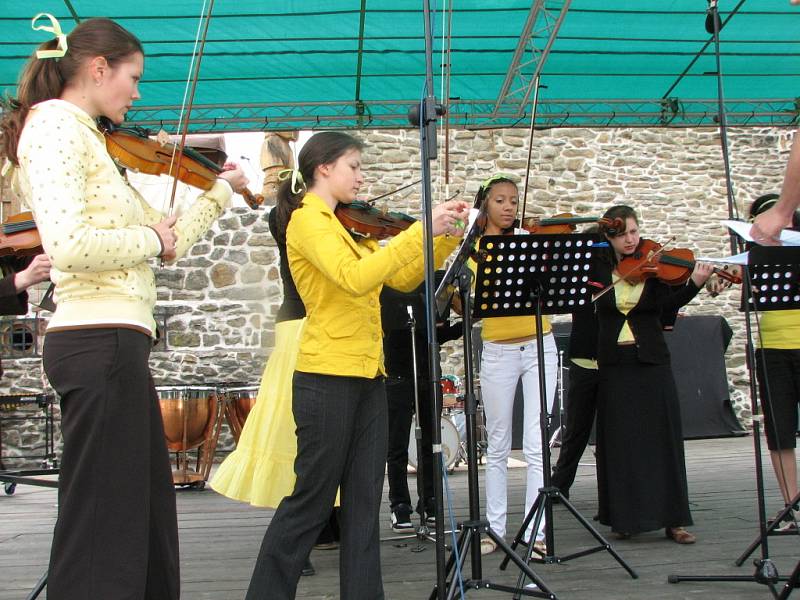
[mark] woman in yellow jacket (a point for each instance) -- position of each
(338, 396)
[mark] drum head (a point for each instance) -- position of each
(451, 444)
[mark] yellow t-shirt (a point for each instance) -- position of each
(779, 329)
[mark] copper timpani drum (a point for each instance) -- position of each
(239, 401)
(191, 416)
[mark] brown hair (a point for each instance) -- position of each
(622, 212)
(321, 148)
(45, 78)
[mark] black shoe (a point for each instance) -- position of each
(401, 519)
(308, 569)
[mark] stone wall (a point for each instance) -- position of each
(218, 303)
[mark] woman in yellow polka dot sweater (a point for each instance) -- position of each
(116, 535)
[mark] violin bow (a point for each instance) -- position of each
(372, 201)
(534, 107)
(186, 108)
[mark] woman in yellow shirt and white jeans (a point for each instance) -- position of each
(510, 354)
(338, 395)
(116, 534)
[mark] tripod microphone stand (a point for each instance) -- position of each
(535, 274)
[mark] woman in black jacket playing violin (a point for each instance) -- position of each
(640, 461)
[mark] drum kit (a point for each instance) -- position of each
(193, 418)
(453, 425)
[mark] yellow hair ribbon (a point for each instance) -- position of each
(56, 31)
(297, 178)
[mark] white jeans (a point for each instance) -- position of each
(501, 367)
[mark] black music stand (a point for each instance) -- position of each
(458, 276)
(536, 275)
(771, 282)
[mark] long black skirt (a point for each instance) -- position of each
(641, 472)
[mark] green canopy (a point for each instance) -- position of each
(307, 64)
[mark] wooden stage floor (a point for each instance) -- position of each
(220, 539)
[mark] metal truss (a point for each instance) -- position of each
(537, 37)
(478, 114)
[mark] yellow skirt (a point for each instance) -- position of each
(261, 469)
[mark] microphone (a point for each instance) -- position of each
(712, 15)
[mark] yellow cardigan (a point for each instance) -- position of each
(340, 282)
(94, 226)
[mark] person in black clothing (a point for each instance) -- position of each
(19, 275)
(399, 364)
(641, 473)
(581, 397)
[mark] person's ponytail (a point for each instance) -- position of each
(45, 78)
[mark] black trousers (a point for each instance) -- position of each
(581, 406)
(117, 533)
(341, 443)
(778, 374)
(400, 398)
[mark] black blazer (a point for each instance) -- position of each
(11, 303)
(645, 319)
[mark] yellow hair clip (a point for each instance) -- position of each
(56, 31)
(497, 176)
(297, 178)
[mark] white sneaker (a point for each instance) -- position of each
(401, 519)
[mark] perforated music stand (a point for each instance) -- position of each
(775, 277)
(535, 275)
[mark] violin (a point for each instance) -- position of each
(673, 267)
(19, 236)
(133, 150)
(365, 221)
(565, 223)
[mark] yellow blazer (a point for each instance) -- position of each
(340, 281)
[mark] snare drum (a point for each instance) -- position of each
(451, 444)
(189, 413)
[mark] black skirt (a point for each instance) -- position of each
(641, 472)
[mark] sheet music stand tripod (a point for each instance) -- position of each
(771, 282)
(471, 530)
(539, 274)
